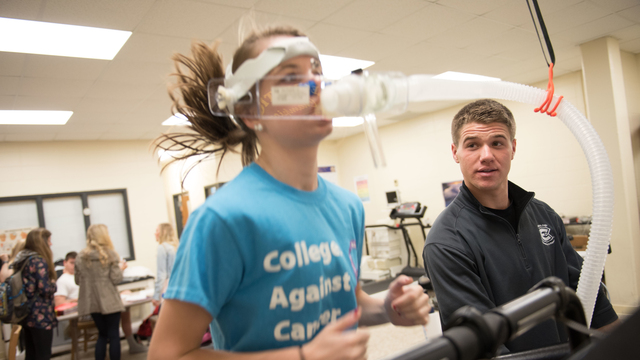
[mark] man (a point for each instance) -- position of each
(67, 289)
(495, 240)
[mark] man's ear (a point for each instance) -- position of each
(454, 152)
(513, 148)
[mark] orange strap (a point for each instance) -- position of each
(544, 108)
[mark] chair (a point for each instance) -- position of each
(87, 331)
(13, 342)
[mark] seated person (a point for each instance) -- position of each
(495, 240)
(67, 288)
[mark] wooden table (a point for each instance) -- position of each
(73, 324)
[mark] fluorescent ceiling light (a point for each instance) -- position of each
(347, 121)
(35, 37)
(453, 75)
(335, 67)
(34, 117)
(177, 120)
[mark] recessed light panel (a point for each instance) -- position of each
(36, 37)
(34, 117)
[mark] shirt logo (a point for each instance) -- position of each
(545, 234)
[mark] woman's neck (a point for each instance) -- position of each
(297, 168)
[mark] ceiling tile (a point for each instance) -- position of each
(594, 29)
(615, 5)
(377, 47)
(572, 16)
(235, 31)
(113, 90)
(246, 4)
(188, 19)
(632, 13)
(627, 34)
(477, 7)
(30, 136)
(62, 67)
(132, 72)
(77, 136)
(50, 102)
(304, 9)
(331, 39)
(153, 48)
(12, 63)
(112, 14)
(469, 33)
(6, 102)
(9, 85)
(504, 41)
(20, 9)
(106, 106)
(374, 15)
(514, 13)
(64, 87)
(427, 23)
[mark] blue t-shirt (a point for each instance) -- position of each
(272, 264)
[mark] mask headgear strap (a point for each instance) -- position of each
(238, 84)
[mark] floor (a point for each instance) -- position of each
(124, 350)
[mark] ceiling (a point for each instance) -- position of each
(126, 98)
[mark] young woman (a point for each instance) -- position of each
(97, 272)
(39, 282)
(166, 256)
(270, 262)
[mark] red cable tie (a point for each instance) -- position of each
(544, 108)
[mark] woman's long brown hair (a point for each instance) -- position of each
(37, 240)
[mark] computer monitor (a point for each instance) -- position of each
(393, 198)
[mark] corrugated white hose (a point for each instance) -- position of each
(423, 88)
(357, 95)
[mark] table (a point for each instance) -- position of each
(73, 324)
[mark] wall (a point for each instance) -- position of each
(31, 168)
(631, 66)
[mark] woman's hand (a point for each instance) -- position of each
(339, 341)
(407, 304)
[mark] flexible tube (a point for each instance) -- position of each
(423, 88)
(419, 88)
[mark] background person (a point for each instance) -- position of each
(234, 267)
(166, 256)
(98, 272)
(495, 240)
(67, 287)
(39, 283)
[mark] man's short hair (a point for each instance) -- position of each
(484, 111)
(70, 255)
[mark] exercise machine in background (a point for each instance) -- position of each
(383, 242)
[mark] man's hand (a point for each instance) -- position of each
(406, 303)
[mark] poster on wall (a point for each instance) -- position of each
(8, 238)
(328, 173)
(450, 190)
(362, 188)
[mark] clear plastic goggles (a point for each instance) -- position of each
(272, 97)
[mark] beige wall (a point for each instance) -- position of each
(31, 168)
